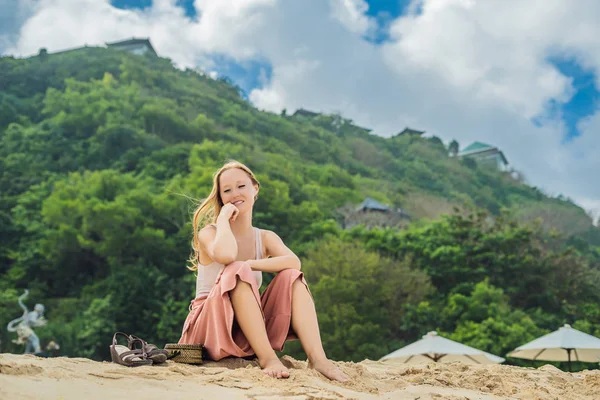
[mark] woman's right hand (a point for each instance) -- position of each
(228, 213)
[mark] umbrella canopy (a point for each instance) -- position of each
(436, 348)
(564, 344)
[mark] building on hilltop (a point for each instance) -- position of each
(44, 52)
(485, 154)
(305, 113)
(372, 213)
(370, 204)
(139, 46)
(411, 132)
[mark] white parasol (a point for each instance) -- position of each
(436, 348)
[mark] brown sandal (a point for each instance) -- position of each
(157, 355)
(128, 357)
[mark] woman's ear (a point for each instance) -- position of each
(255, 191)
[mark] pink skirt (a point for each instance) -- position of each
(211, 320)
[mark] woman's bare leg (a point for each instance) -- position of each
(250, 319)
(306, 326)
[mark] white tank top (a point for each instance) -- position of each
(207, 274)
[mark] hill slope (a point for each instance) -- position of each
(114, 110)
(99, 149)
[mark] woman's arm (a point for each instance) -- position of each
(219, 243)
(280, 256)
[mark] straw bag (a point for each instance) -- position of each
(185, 353)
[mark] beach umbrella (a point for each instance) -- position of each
(433, 347)
(564, 344)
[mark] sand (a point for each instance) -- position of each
(30, 377)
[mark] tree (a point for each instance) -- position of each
(453, 148)
(360, 297)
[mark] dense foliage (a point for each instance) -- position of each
(103, 155)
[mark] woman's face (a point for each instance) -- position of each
(236, 187)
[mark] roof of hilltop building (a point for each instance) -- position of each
(410, 131)
(133, 42)
(372, 204)
(477, 148)
(306, 113)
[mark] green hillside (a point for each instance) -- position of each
(103, 153)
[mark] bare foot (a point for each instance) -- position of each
(327, 368)
(273, 367)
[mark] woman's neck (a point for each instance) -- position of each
(242, 225)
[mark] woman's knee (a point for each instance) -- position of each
(289, 275)
(237, 268)
(236, 275)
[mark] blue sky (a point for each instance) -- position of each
(586, 99)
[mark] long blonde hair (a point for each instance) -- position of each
(209, 209)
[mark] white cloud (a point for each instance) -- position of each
(228, 26)
(221, 28)
(352, 15)
(464, 69)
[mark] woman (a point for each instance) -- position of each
(228, 316)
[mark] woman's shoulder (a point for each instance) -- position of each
(209, 228)
(263, 232)
(207, 233)
(268, 236)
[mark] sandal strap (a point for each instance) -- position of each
(133, 339)
(137, 353)
(133, 342)
(120, 334)
(150, 348)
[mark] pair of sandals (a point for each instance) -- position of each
(137, 352)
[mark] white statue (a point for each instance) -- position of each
(24, 324)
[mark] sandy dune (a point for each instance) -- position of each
(30, 377)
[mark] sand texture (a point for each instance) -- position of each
(29, 377)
